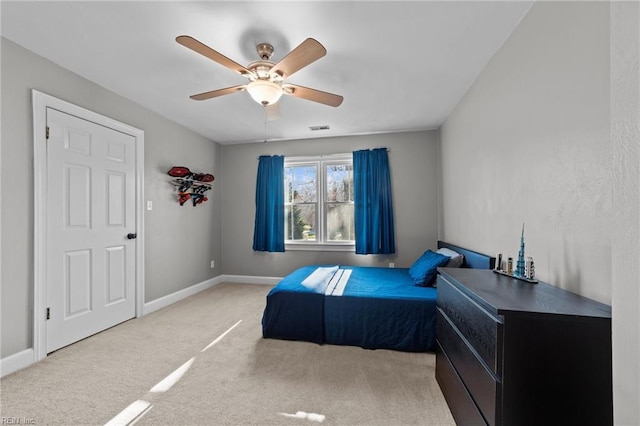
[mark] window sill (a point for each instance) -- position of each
(319, 247)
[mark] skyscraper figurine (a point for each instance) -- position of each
(520, 272)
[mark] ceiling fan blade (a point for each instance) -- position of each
(306, 53)
(219, 92)
(312, 95)
(203, 49)
(272, 112)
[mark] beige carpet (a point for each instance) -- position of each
(237, 379)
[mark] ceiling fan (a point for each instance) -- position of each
(266, 79)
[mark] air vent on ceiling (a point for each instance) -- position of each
(323, 127)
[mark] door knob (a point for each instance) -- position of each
(131, 236)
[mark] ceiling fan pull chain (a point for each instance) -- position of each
(265, 125)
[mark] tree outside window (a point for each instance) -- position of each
(319, 200)
(339, 202)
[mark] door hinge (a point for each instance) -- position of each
(47, 132)
(48, 313)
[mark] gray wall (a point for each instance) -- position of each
(625, 241)
(548, 135)
(530, 143)
(413, 160)
(179, 241)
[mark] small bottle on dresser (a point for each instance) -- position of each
(529, 270)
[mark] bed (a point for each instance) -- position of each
(370, 307)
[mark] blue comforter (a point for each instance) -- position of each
(380, 308)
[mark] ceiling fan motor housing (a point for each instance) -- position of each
(262, 69)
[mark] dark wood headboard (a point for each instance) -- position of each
(472, 259)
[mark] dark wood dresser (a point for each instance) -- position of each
(513, 353)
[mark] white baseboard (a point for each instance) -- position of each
(169, 299)
(249, 279)
(16, 362)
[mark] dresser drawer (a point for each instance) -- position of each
(482, 330)
(479, 381)
(464, 410)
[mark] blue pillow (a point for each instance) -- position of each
(424, 269)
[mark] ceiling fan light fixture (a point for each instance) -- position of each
(264, 92)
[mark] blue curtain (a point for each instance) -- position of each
(373, 202)
(268, 231)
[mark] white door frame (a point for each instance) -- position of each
(40, 103)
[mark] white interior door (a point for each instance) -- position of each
(91, 211)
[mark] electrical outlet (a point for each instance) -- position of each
(392, 265)
(213, 264)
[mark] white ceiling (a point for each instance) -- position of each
(401, 66)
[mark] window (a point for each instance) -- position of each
(318, 195)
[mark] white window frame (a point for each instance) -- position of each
(320, 244)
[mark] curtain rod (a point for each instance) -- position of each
(321, 156)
